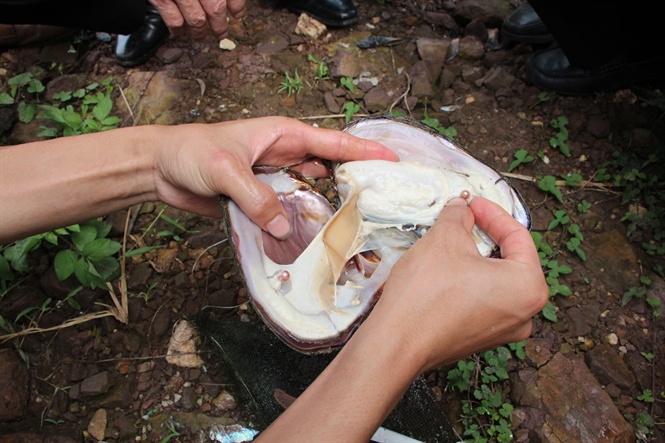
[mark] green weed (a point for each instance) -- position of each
(350, 109)
(434, 123)
(561, 137)
(522, 156)
(292, 85)
(485, 416)
(321, 70)
(347, 82)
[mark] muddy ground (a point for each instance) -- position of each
(481, 92)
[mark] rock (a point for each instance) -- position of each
(577, 322)
(378, 99)
(568, 395)
(97, 426)
(152, 96)
(275, 43)
(538, 351)
(497, 78)
(477, 29)
(65, 83)
(599, 126)
(471, 48)
(182, 347)
(227, 45)
(491, 13)
(610, 256)
(95, 385)
(189, 398)
(421, 86)
(14, 389)
(225, 401)
(433, 52)
(309, 27)
(331, 104)
(441, 18)
(344, 64)
(118, 396)
(169, 55)
(608, 367)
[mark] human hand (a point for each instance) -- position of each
(445, 301)
(197, 16)
(196, 163)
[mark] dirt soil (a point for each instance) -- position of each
(105, 365)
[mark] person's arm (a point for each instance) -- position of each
(442, 302)
(197, 17)
(55, 183)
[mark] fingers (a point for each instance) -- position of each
(333, 144)
(217, 19)
(171, 15)
(195, 18)
(257, 200)
(236, 8)
(513, 238)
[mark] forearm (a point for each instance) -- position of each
(354, 394)
(55, 183)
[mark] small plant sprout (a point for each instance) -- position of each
(521, 156)
(548, 184)
(560, 218)
(561, 137)
(583, 207)
(321, 72)
(434, 123)
(350, 109)
(292, 85)
(347, 82)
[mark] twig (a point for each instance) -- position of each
(595, 186)
(403, 96)
(124, 98)
(65, 324)
(319, 117)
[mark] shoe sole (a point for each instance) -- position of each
(606, 80)
(537, 39)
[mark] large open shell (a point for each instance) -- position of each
(314, 288)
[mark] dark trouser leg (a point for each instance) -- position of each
(112, 16)
(594, 32)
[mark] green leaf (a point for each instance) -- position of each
(100, 248)
(6, 273)
(51, 238)
(347, 82)
(350, 109)
(65, 263)
(141, 251)
(549, 312)
(26, 112)
(6, 99)
(21, 79)
(63, 96)
(111, 121)
(521, 156)
(103, 227)
(36, 86)
(86, 234)
(52, 113)
(548, 184)
(103, 108)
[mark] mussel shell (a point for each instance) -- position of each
(404, 136)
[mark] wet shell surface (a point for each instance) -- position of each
(314, 288)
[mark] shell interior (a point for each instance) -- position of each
(314, 288)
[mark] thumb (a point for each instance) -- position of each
(260, 203)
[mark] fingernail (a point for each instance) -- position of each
(279, 227)
(457, 201)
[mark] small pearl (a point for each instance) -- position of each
(284, 276)
(465, 194)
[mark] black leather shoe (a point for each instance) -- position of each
(550, 70)
(334, 13)
(524, 25)
(137, 47)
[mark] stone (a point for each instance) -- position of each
(471, 48)
(497, 78)
(611, 257)
(331, 104)
(97, 425)
(491, 13)
(182, 347)
(169, 55)
(344, 64)
(538, 351)
(96, 384)
(378, 99)
(189, 398)
(274, 44)
(14, 395)
(225, 401)
(477, 29)
(433, 52)
(152, 96)
(309, 27)
(227, 44)
(577, 323)
(599, 126)
(441, 18)
(608, 367)
(421, 86)
(568, 394)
